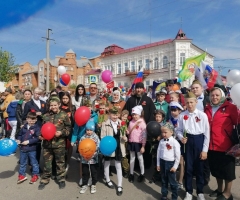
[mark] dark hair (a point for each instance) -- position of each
(160, 112)
(76, 91)
(32, 115)
(59, 87)
(179, 84)
(92, 84)
(70, 101)
(115, 88)
(52, 91)
(27, 90)
(169, 82)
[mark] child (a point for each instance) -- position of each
(137, 140)
(90, 166)
(112, 128)
(79, 131)
(159, 117)
(56, 146)
(124, 125)
(193, 131)
(102, 115)
(168, 157)
(160, 103)
(27, 140)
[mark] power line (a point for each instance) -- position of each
(227, 59)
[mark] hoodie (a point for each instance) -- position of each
(11, 110)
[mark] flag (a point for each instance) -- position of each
(188, 67)
(200, 78)
(157, 86)
(138, 79)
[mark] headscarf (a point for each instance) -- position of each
(222, 100)
(118, 93)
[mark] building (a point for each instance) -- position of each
(159, 60)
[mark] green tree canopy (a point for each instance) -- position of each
(7, 68)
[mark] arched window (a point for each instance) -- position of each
(156, 65)
(165, 62)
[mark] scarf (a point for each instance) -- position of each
(222, 100)
(116, 92)
(174, 121)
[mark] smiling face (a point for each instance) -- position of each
(116, 97)
(216, 96)
(54, 106)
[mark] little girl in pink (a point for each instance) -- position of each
(137, 140)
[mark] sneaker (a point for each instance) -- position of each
(21, 178)
(188, 196)
(33, 179)
(61, 184)
(83, 189)
(141, 178)
(200, 197)
(215, 193)
(93, 189)
(180, 186)
(89, 181)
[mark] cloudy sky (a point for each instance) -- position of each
(88, 26)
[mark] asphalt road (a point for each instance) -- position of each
(10, 190)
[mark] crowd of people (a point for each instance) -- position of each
(195, 135)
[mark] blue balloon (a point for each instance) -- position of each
(61, 81)
(87, 93)
(123, 89)
(108, 145)
(7, 147)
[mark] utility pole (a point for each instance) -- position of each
(47, 57)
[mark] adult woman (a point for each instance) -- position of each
(116, 101)
(222, 116)
(80, 93)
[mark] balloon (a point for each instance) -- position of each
(48, 130)
(87, 93)
(106, 76)
(61, 70)
(175, 87)
(61, 81)
(121, 86)
(123, 90)
(7, 147)
(82, 115)
(87, 148)
(233, 77)
(66, 78)
(235, 94)
(153, 129)
(108, 145)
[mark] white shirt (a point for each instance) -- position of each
(200, 102)
(193, 127)
(38, 103)
(77, 103)
(114, 125)
(169, 151)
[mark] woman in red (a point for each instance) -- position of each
(222, 116)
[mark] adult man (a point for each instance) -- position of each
(8, 99)
(93, 97)
(169, 87)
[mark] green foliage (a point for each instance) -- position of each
(51, 86)
(73, 86)
(7, 68)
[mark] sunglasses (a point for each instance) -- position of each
(93, 88)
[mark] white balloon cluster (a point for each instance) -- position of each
(233, 79)
(61, 70)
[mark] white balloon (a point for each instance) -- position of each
(61, 70)
(233, 77)
(235, 94)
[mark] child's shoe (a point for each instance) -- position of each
(83, 189)
(33, 179)
(93, 189)
(21, 178)
(141, 178)
(131, 178)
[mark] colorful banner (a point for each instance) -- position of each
(110, 85)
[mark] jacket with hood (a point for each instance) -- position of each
(11, 110)
(5, 104)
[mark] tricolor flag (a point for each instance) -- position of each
(138, 79)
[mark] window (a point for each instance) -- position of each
(119, 84)
(182, 58)
(133, 66)
(119, 69)
(165, 62)
(86, 80)
(147, 64)
(125, 84)
(41, 69)
(156, 65)
(126, 66)
(139, 65)
(147, 83)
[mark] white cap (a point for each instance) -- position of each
(176, 105)
(137, 110)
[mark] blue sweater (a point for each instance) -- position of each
(30, 134)
(79, 131)
(11, 110)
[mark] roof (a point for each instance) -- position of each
(70, 51)
(83, 63)
(181, 35)
(94, 71)
(33, 70)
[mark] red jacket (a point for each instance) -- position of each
(221, 126)
(181, 99)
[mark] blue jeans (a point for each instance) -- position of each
(168, 177)
(24, 161)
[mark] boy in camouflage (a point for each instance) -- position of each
(56, 146)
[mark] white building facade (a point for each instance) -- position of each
(157, 59)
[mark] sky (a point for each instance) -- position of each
(88, 26)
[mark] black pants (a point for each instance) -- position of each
(86, 173)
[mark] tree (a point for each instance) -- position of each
(73, 86)
(7, 68)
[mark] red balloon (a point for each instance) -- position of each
(121, 86)
(48, 130)
(82, 115)
(66, 78)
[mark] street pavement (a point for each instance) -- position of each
(10, 190)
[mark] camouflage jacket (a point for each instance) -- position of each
(63, 124)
